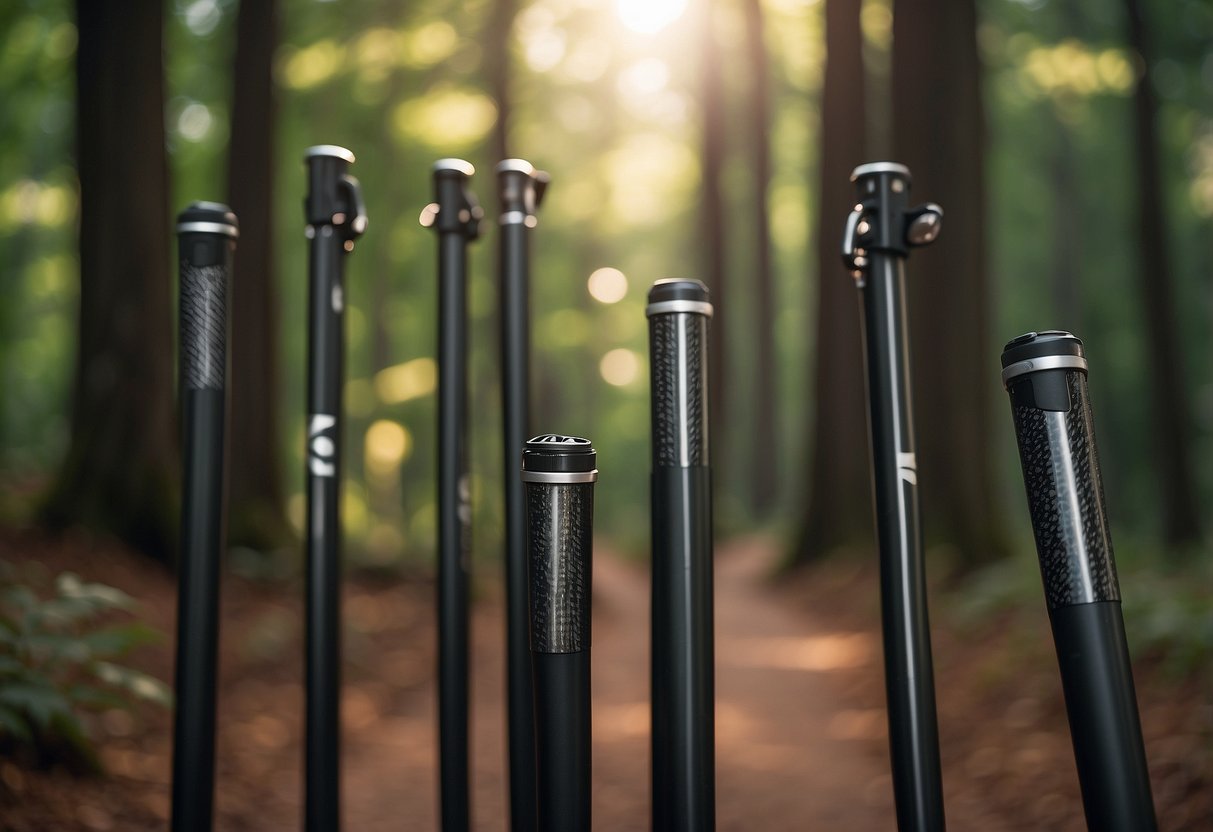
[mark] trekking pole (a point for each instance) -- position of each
(879, 233)
(1045, 374)
(559, 473)
(521, 189)
(683, 689)
(455, 215)
(206, 240)
(335, 218)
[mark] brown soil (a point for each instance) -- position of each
(800, 721)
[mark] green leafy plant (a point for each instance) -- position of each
(58, 661)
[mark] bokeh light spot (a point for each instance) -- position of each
(409, 380)
(619, 367)
(195, 122)
(387, 445)
(608, 285)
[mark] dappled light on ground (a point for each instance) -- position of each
(800, 720)
(827, 652)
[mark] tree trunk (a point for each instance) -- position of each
(712, 229)
(764, 457)
(840, 496)
(1067, 232)
(1171, 414)
(257, 514)
(119, 474)
(497, 68)
(939, 131)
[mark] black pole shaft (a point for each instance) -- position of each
(1046, 377)
(457, 222)
(453, 505)
(520, 188)
(683, 683)
(206, 240)
(559, 472)
(909, 678)
(334, 218)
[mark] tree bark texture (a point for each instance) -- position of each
(257, 512)
(119, 474)
(939, 131)
(764, 440)
(1169, 402)
(497, 68)
(712, 223)
(839, 491)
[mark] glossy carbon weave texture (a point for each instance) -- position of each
(559, 541)
(203, 325)
(1066, 500)
(670, 336)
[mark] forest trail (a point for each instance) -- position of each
(800, 709)
(791, 754)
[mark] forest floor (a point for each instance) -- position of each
(801, 738)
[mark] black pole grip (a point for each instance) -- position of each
(683, 683)
(1045, 374)
(206, 234)
(559, 473)
(206, 239)
(520, 188)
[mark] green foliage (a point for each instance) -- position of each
(1166, 602)
(57, 662)
(613, 114)
(1168, 608)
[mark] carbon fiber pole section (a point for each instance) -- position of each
(335, 218)
(683, 680)
(521, 189)
(880, 231)
(455, 215)
(559, 473)
(1045, 374)
(206, 240)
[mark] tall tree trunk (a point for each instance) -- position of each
(764, 458)
(840, 496)
(1169, 401)
(497, 67)
(939, 131)
(712, 227)
(120, 471)
(1067, 231)
(258, 518)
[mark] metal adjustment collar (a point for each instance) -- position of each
(557, 459)
(1034, 352)
(208, 218)
(678, 295)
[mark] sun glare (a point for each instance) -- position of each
(649, 16)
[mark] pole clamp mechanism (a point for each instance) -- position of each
(521, 188)
(455, 208)
(881, 220)
(334, 196)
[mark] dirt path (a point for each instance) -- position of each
(800, 709)
(789, 751)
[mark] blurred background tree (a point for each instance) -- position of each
(118, 472)
(1071, 146)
